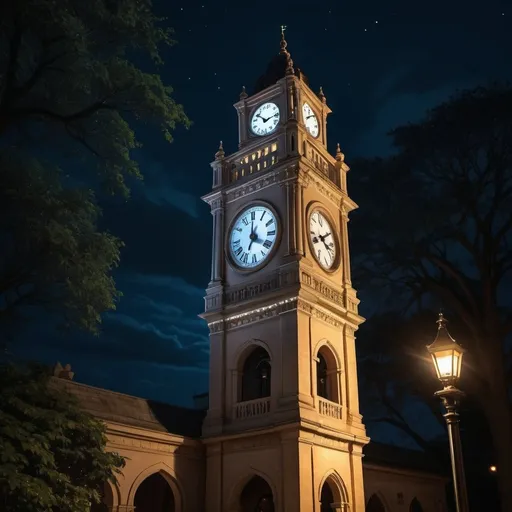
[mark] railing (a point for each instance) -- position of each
(258, 160)
(251, 408)
(322, 164)
(330, 409)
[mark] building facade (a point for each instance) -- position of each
(282, 431)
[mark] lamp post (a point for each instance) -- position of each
(447, 357)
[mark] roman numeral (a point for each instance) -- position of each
(245, 221)
(262, 253)
(319, 253)
(263, 215)
(236, 242)
(267, 244)
(271, 221)
(254, 258)
(320, 221)
(271, 233)
(253, 215)
(238, 251)
(244, 257)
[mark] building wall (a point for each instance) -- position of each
(277, 457)
(397, 488)
(178, 459)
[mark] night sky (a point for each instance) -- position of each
(381, 64)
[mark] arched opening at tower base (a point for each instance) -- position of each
(326, 499)
(154, 495)
(257, 496)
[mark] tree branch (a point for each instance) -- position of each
(12, 66)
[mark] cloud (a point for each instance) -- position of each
(161, 190)
(165, 281)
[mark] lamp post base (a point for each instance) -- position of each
(451, 396)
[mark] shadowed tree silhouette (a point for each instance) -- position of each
(439, 232)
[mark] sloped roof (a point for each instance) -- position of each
(276, 70)
(158, 416)
(401, 458)
(135, 411)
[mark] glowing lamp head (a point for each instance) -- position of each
(492, 469)
(446, 354)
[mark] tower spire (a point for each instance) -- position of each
(286, 53)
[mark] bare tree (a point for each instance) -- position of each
(439, 229)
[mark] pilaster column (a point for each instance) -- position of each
(345, 248)
(217, 269)
(290, 208)
(299, 212)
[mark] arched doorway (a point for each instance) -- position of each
(256, 375)
(375, 504)
(333, 495)
(257, 496)
(415, 506)
(327, 502)
(154, 495)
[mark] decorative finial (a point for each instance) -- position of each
(321, 95)
(340, 157)
(441, 321)
(220, 153)
(243, 94)
(284, 51)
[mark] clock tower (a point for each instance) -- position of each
(283, 430)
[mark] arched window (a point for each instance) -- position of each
(257, 496)
(154, 495)
(327, 375)
(322, 377)
(256, 375)
(415, 506)
(375, 504)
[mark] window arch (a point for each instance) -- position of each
(415, 506)
(257, 496)
(375, 504)
(327, 375)
(333, 494)
(256, 375)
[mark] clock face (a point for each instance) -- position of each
(265, 119)
(322, 240)
(253, 236)
(310, 120)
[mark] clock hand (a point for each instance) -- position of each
(252, 236)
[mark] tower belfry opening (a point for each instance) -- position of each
(281, 309)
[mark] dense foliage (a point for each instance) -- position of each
(71, 94)
(52, 454)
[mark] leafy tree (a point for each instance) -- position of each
(52, 453)
(71, 93)
(439, 233)
(54, 255)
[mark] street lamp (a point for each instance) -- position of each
(447, 357)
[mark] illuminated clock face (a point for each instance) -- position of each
(253, 236)
(265, 119)
(310, 120)
(322, 239)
